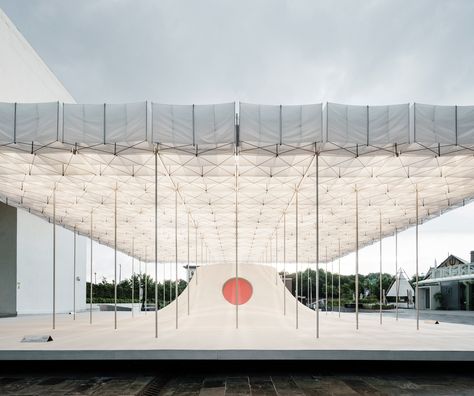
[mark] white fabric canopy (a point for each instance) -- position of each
(86, 152)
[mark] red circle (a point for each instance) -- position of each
(244, 291)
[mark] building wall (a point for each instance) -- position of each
(433, 303)
(24, 76)
(450, 292)
(35, 267)
(8, 223)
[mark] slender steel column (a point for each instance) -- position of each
(202, 257)
(332, 286)
(236, 240)
(176, 252)
(196, 252)
(339, 276)
(284, 263)
(133, 276)
(296, 258)
(317, 245)
(326, 277)
(357, 258)
(276, 257)
(188, 265)
(54, 258)
(115, 258)
(307, 286)
(417, 300)
(397, 284)
(171, 284)
(90, 286)
(145, 292)
(74, 280)
(156, 243)
(380, 277)
(164, 285)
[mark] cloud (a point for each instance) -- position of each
(257, 51)
(262, 51)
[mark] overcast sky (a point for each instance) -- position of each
(357, 52)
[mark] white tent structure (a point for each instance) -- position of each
(401, 286)
(87, 154)
(236, 177)
(226, 184)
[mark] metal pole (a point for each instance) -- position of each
(380, 277)
(156, 243)
(115, 258)
(188, 265)
(417, 300)
(176, 252)
(396, 272)
(326, 278)
(307, 286)
(296, 258)
(317, 246)
(284, 263)
(171, 277)
(164, 285)
(332, 286)
(196, 252)
(339, 276)
(133, 276)
(357, 259)
(146, 281)
(276, 257)
(54, 258)
(236, 240)
(91, 290)
(74, 280)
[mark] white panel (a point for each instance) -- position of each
(83, 123)
(35, 266)
(434, 124)
(301, 124)
(465, 124)
(7, 111)
(259, 124)
(125, 123)
(37, 122)
(214, 124)
(389, 124)
(172, 124)
(346, 124)
(292, 125)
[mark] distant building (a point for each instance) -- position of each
(401, 287)
(450, 285)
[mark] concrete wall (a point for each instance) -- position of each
(8, 224)
(34, 267)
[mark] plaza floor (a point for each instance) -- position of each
(209, 332)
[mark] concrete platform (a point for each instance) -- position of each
(209, 332)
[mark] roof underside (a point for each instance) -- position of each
(86, 153)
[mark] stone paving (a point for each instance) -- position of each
(238, 384)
